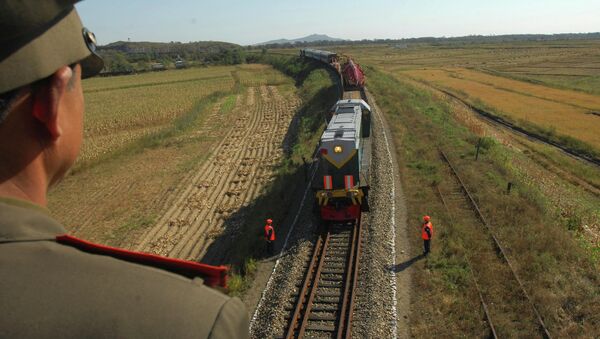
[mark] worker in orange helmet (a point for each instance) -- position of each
(269, 236)
(427, 234)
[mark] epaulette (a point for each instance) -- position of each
(213, 276)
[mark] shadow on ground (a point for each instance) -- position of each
(242, 235)
(404, 265)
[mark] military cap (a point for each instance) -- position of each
(38, 37)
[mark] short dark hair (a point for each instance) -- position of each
(5, 102)
(7, 98)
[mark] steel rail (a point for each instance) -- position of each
(306, 282)
(299, 321)
(313, 288)
(345, 321)
(492, 118)
(488, 318)
(543, 328)
(353, 281)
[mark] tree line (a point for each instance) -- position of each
(130, 57)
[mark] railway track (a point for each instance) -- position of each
(508, 308)
(324, 305)
(498, 121)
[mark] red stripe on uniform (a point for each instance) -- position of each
(212, 275)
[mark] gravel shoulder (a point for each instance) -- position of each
(387, 278)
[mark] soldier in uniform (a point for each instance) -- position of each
(51, 284)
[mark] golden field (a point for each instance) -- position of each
(565, 111)
(554, 86)
(124, 108)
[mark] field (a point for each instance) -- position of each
(237, 171)
(565, 112)
(563, 64)
(542, 223)
(549, 223)
(121, 109)
(169, 156)
(549, 88)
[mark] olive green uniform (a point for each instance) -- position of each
(52, 290)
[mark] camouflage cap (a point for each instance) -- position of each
(39, 37)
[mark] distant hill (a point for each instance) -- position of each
(309, 38)
(441, 41)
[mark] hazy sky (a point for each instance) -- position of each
(249, 22)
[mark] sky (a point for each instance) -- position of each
(254, 21)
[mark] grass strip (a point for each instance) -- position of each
(559, 273)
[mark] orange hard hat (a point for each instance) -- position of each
(426, 218)
(269, 221)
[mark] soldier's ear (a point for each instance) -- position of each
(46, 100)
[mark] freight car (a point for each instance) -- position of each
(345, 154)
(351, 73)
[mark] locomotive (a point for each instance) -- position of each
(345, 154)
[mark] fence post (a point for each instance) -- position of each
(305, 168)
(508, 187)
(478, 145)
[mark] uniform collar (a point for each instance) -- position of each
(24, 221)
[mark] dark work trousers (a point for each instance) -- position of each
(426, 246)
(270, 247)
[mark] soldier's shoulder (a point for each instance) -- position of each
(128, 299)
(173, 293)
(142, 270)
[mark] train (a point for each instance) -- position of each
(342, 178)
(341, 183)
(350, 71)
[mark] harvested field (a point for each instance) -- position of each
(211, 154)
(550, 88)
(543, 223)
(124, 108)
(571, 98)
(571, 65)
(566, 112)
(239, 166)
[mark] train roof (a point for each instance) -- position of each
(318, 51)
(351, 103)
(343, 124)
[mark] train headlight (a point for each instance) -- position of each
(337, 149)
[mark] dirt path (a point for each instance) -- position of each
(238, 167)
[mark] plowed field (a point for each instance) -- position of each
(170, 194)
(238, 167)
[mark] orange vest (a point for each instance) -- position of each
(267, 229)
(424, 234)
